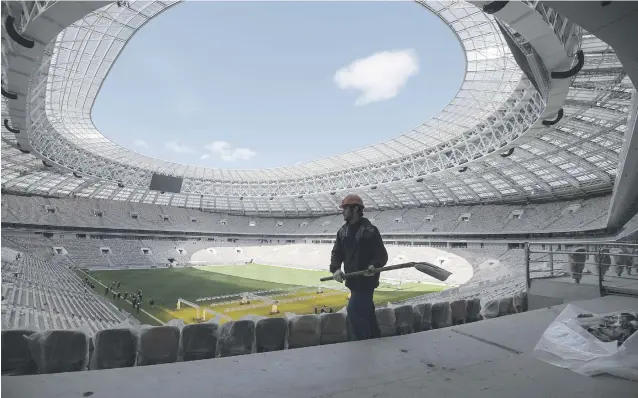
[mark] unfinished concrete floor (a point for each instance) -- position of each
(490, 358)
(627, 282)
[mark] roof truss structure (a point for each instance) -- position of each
(452, 158)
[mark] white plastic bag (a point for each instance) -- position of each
(567, 344)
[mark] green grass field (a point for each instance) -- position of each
(167, 285)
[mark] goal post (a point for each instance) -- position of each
(215, 314)
(181, 302)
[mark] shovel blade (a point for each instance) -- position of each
(432, 270)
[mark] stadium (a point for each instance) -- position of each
(524, 188)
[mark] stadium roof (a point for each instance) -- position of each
(455, 157)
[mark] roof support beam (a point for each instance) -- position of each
(624, 201)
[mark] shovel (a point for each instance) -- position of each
(427, 268)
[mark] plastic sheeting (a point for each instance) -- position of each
(56, 351)
(334, 328)
(387, 321)
(252, 317)
(16, 358)
(459, 311)
(114, 348)
(568, 344)
(490, 309)
(404, 318)
(620, 262)
(506, 306)
(304, 331)
(236, 338)
(199, 341)
(441, 315)
(349, 331)
(520, 302)
(599, 262)
(632, 262)
(422, 317)
(270, 334)
(158, 344)
(577, 263)
(474, 310)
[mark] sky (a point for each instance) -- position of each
(266, 84)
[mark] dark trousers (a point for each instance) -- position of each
(362, 316)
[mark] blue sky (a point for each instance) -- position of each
(254, 85)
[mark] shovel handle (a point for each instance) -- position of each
(376, 270)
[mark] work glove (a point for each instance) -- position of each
(369, 271)
(338, 276)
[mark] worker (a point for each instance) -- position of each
(360, 248)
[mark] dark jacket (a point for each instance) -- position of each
(358, 252)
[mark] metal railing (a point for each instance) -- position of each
(612, 266)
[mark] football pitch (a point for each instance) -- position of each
(294, 290)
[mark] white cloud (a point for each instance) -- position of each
(378, 77)
(140, 143)
(204, 156)
(177, 147)
(228, 153)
